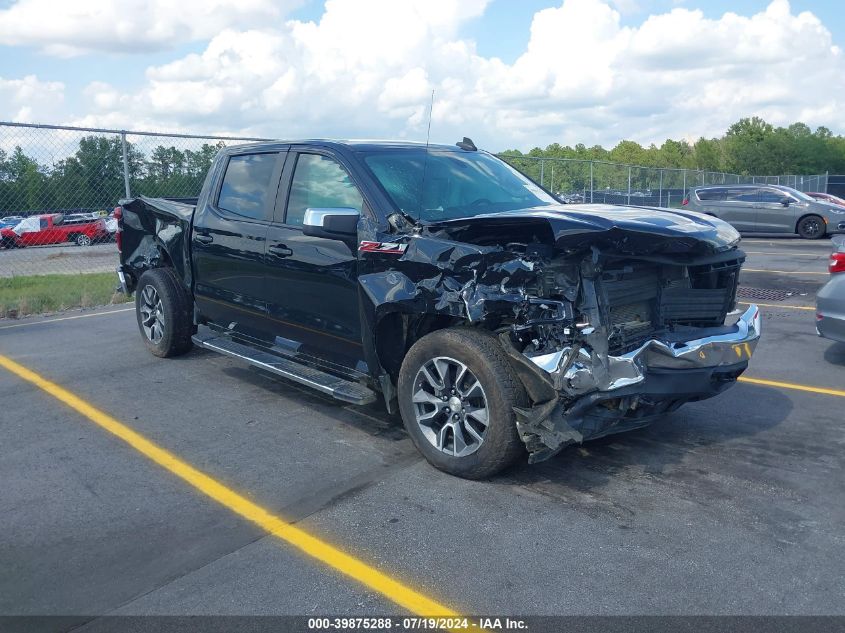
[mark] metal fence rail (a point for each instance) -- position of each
(581, 180)
(66, 180)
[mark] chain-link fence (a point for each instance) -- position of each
(58, 190)
(576, 180)
(59, 186)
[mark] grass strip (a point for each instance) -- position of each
(37, 294)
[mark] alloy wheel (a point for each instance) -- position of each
(450, 406)
(152, 314)
(812, 228)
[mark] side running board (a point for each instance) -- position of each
(339, 388)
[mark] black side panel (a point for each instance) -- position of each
(154, 234)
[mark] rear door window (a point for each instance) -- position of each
(246, 189)
(742, 195)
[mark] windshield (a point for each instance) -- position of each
(800, 194)
(457, 184)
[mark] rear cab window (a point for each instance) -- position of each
(247, 185)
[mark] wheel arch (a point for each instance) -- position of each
(396, 331)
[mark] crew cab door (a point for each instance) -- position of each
(311, 282)
(227, 243)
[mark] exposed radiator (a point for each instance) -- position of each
(640, 298)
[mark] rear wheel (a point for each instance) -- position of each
(811, 228)
(456, 395)
(163, 310)
(83, 240)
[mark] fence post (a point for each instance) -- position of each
(660, 194)
(591, 182)
(552, 186)
(542, 164)
(684, 193)
(125, 164)
(629, 184)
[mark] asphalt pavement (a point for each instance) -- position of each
(734, 505)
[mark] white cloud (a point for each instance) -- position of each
(73, 27)
(28, 99)
(367, 68)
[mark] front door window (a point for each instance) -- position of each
(320, 182)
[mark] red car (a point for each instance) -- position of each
(826, 197)
(53, 229)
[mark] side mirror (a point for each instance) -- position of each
(336, 223)
(786, 201)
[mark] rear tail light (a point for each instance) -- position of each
(685, 202)
(118, 237)
(837, 263)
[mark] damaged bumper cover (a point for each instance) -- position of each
(580, 394)
(578, 371)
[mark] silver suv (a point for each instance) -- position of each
(768, 209)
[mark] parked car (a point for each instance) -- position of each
(10, 221)
(54, 229)
(830, 300)
(497, 321)
(827, 197)
(768, 209)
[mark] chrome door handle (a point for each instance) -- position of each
(280, 250)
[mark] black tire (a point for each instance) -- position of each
(481, 353)
(174, 336)
(82, 240)
(811, 227)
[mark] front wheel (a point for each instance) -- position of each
(163, 310)
(811, 228)
(457, 392)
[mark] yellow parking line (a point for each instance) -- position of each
(789, 385)
(773, 305)
(347, 564)
(785, 242)
(822, 254)
(785, 272)
(78, 316)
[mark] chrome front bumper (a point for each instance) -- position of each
(576, 371)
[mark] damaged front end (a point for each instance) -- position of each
(644, 338)
(608, 327)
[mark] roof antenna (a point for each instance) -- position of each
(425, 160)
(430, 112)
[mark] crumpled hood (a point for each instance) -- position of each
(628, 229)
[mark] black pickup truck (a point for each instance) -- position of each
(497, 321)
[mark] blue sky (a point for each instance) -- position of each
(584, 85)
(502, 31)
